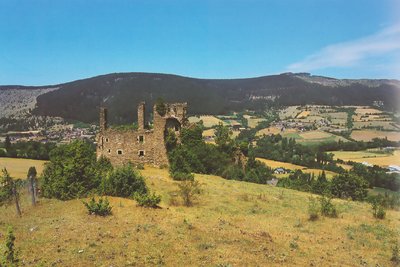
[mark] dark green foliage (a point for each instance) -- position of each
(10, 255)
(6, 187)
(72, 171)
(348, 185)
(378, 210)
(194, 155)
(30, 150)
(327, 207)
(170, 140)
(182, 176)
(32, 172)
(147, 200)
(223, 137)
(313, 209)
(100, 208)
(161, 108)
(287, 150)
(189, 190)
(7, 143)
(377, 176)
(203, 95)
(123, 182)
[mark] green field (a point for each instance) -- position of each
(232, 224)
(313, 137)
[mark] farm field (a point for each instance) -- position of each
(386, 125)
(368, 135)
(18, 168)
(276, 164)
(307, 138)
(253, 122)
(252, 225)
(208, 121)
(379, 159)
(313, 137)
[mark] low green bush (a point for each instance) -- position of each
(182, 176)
(123, 182)
(312, 209)
(378, 211)
(327, 207)
(101, 208)
(147, 200)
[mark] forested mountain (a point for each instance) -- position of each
(121, 92)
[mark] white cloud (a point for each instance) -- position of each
(352, 53)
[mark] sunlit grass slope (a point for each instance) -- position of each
(232, 224)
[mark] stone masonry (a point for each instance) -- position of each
(144, 145)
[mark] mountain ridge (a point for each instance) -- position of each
(121, 92)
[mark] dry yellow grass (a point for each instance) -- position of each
(365, 110)
(253, 122)
(276, 164)
(368, 135)
(303, 114)
(233, 223)
(208, 121)
(268, 131)
(18, 168)
(370, 157)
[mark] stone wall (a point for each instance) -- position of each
(146, 146)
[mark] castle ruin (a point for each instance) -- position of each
(144, 145)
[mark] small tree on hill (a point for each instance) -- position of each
(9, 190)
(188, 190)
(123, 182)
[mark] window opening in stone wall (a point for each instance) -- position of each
(119, 152)
(141, 138)
(107, 140)
(141, 153)
(109, 151)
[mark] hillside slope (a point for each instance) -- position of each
(121, 92)
(232, 224)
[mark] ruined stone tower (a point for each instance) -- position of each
(146, 146)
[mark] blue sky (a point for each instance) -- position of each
(49, 42)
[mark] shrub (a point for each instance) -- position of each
(327, 207)
(72, 171)
(10, 257)
(312, 209)
(101, 208)
(147, 200)
(188, 190)
(347, 185)
(377, 210)
(395, 255)
(123, 182)
(182, 176)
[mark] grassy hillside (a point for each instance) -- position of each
(232, 224)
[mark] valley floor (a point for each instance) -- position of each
(232, 224)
